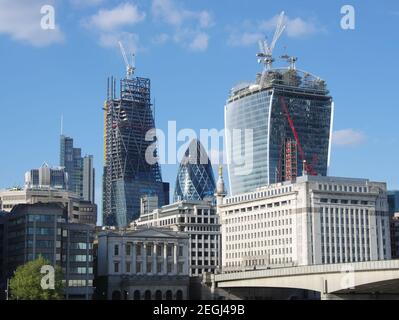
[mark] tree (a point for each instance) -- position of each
(26, 284)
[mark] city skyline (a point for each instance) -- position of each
(361, 137)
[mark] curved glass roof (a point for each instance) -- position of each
(195, 179)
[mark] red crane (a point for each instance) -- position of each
(308, 167)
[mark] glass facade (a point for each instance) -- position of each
(290, 119)
(127, 175)
(195, 179)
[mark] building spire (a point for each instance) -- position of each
(220, 187)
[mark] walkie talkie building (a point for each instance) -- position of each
(128, 177)
(290, 114)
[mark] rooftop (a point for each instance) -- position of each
(284, 78)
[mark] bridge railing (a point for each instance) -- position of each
(313, 269)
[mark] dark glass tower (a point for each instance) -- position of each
(71, 159)
(128, 177)
(290, 115)
(195, 179)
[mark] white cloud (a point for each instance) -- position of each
(21, 21)
(248, 33)
(188, 26)
(160, 38)
(86, 3)
(123, 15)
(130, 40)
(347, 138)
(200, 42)
(111, 26)
(244, 39)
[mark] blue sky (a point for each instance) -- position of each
(194, 52)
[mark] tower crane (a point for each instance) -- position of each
(265, 55)
(130, 65)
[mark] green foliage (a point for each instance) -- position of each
(26, 282)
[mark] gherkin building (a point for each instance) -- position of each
(195, 179)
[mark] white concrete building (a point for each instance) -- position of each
(79, 211)
(198, 219)
(142, 264)
(315, 220)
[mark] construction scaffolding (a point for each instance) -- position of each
(127, 174)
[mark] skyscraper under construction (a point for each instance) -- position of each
(289, 113)
(128, 177)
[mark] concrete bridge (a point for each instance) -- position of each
(359, 280)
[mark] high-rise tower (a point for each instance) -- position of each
(195, 180)
(80, 169)
(289, 115)
(128, 177)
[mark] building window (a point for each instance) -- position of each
(149, 250)
(159, 267)
(180, 267)
(170, 250)
(138, 250)
(169, 267)
(116, 250)
(116, 267)
(138, 267)
(149, 267)
(128, 249)
(128, 267)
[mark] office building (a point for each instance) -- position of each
(395, 236)
(315, 220)
(197, 219)
(277, 125)
(393, 201)
(80, 169)
(128, 176)
(3, 278)
(78, 210)
(41, 229)
(142, 264)
(45, 177)
(88, 179)
(195, 180)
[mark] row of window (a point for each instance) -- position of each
(344, 188)
(259, 195)
(259, 216)
(149, 250)
(259, 243)
(149, 267)
(254, 235)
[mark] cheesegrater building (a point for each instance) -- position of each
(128, 177)
(289, 115)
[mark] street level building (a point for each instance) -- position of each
(198, 219)
(41, 229)
(314, 220)
(142, 264)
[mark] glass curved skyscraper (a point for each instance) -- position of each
(289, 115)
(195, 179)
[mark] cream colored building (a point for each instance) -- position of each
(79, 211)
(315, 220)
(143, 264)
